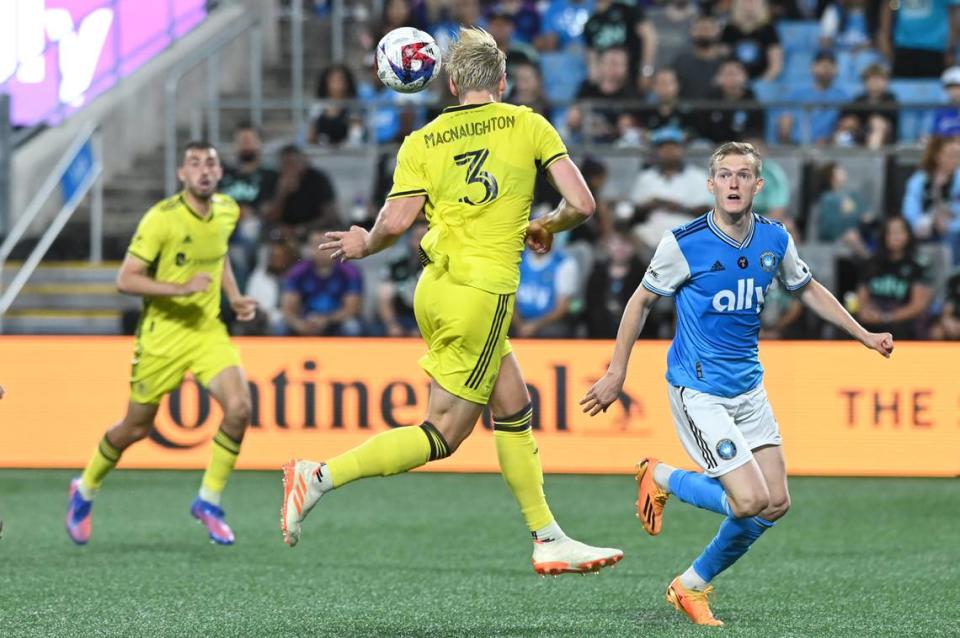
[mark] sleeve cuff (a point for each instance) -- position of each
(655, 290)
(549, 161)
(411, 193)
(800, 285)
(140, 257)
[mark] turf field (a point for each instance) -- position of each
(447, 555)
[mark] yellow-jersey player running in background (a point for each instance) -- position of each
(178, 263)
(472, 170)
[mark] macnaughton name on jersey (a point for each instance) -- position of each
(469, 129)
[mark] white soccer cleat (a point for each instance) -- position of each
(301, 491)
(568, 556)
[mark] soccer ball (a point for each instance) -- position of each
(407, 60)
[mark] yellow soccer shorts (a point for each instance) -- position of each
(466, 333)
(160, 370)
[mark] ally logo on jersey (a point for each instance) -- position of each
(747, 296)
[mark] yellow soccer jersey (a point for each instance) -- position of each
(476, 164)
(178, 244)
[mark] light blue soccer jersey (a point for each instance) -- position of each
(719, 285)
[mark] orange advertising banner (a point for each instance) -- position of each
(842, 409)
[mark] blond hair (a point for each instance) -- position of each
(750, 18)
(736, 148)
(474, 62)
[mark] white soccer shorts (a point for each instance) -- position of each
(719, 433)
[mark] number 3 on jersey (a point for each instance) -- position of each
(474, 160)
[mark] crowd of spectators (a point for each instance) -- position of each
(642, 64)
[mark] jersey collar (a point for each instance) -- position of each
(727, 238)
(465, 107)
(186, 204)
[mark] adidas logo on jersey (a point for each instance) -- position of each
(717, 266)
(746, 297)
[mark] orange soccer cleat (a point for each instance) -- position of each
(651, 499)
(693, 603)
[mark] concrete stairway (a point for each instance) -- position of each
(68, 298)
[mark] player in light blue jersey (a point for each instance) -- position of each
(718, 269)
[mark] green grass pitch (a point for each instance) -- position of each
(448, 555)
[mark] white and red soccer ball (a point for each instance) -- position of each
(407, 60)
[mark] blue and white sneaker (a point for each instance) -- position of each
(212, 517)
(79, 515)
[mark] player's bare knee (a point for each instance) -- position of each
(777, 508)
(237, 412)
(131, 431)
(749, 504)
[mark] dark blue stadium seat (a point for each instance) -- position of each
(914, 123)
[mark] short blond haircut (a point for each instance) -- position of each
(736, 148)
(474, 61)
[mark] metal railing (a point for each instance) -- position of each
(210, 54)
(87, 141)
(365, 110)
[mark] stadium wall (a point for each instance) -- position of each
(843, 410)
(131, 114)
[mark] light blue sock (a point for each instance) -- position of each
(732, 541)
(700, 490)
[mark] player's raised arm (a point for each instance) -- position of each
(396, 216)
(134, 279)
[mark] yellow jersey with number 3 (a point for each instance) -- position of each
(477, 164)
(178, 243)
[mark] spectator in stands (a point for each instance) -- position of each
(265, 286)
(781, 314)
(247, 180)
(948, 324)
(849, 25)
(894, 294)
(870, 124)
(336, 123)
(931, 202)
(700, 61)
(946, 121)
(613, 280)
(396, 13)
(753, 39)
(465, 12)
(732, 124)
(500, 24)
(619, 24)
(252, 185)
(613, 83)
(595, 174)
(669, 193)
(527, 89)
(393, 115)
(563, 22)
(773, 199)
(919, 37)
(672, 21)
(822, 121)
(840, 210)
(545, 296)
(663, 111)
(305, 195)
(322, 296)
(526, 19)
(398, 283)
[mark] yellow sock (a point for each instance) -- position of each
(104, 459)
(520, 466)
(389, 453)
(222, 459)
